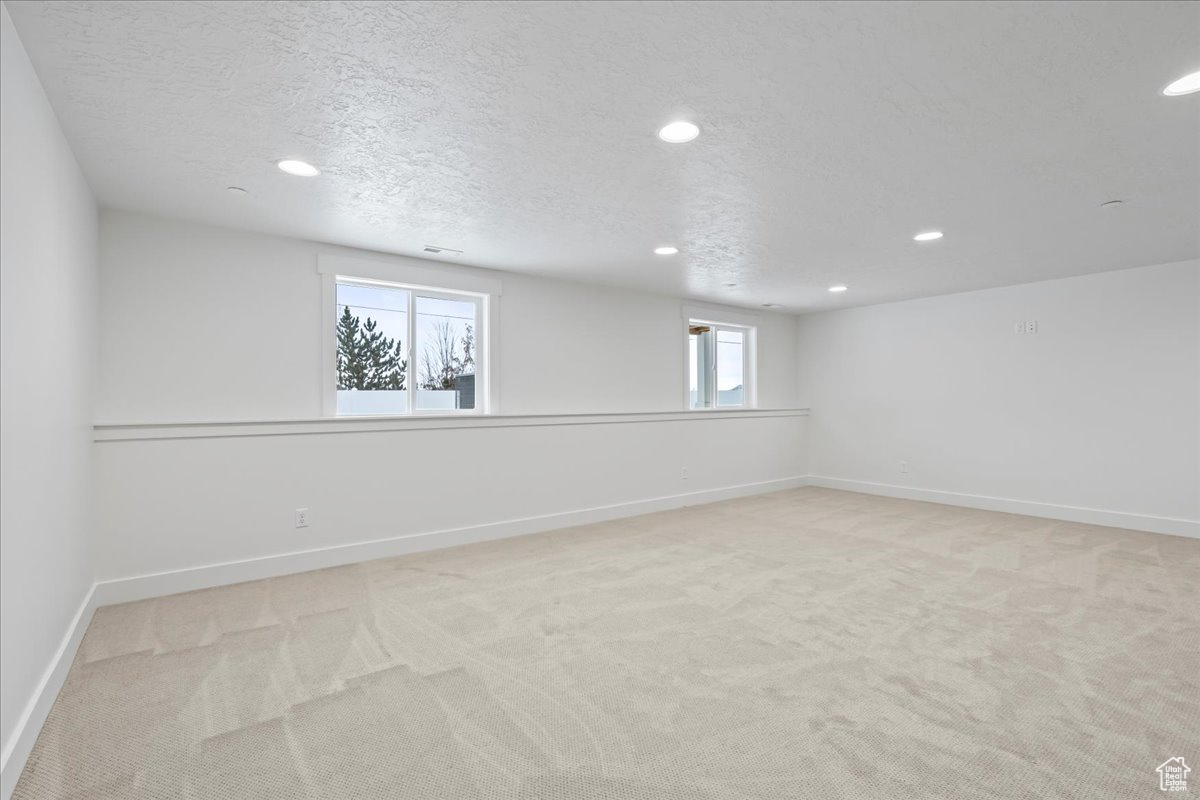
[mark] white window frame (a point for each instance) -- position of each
(720, 322)
(412, 276)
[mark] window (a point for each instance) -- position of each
(405, 350)
(720, 373)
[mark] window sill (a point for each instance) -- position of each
(366, 424)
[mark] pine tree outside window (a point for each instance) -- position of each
(406, 350)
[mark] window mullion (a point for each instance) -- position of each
(713, 358)
(482, 387)
(411, 382)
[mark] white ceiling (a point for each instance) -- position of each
(523, 134)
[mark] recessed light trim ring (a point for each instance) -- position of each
(679, 132)
(1186, 85)
(301, 169)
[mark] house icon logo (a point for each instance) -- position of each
(1172, 775)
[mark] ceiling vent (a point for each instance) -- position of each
(437, 251)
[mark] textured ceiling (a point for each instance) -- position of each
(522, 133)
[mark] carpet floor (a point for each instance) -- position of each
(807, 644)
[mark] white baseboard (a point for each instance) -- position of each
(12, 760)
(1089, 516)
(140, 587)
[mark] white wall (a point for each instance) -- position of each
(178, 504)
(1100, 409)
(208, 324)
(203, 323)
(47, 330)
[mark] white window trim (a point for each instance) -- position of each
(412, 275)
(739, 322)
(733, 317)
(413, 272)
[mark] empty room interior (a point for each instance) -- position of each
(599, 400)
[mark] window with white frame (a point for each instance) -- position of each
(720, 365)
(408, 350)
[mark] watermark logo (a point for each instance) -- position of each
(1172, 775)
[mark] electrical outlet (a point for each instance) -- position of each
(1031, 326)
(1020, 327)
(301, 517)
(904, 466)
(683, 473)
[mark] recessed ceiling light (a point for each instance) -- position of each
(1185, 85)
(666, 251)
(236, 191)
(299, 168)
(678, 132)
(1113, 204)
(927, 236)
(838, 288)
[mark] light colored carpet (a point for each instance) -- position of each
(805, 644)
